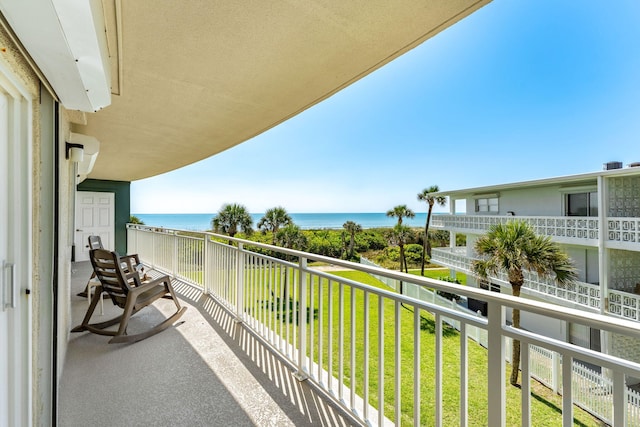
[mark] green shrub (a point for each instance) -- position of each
(324, 242)
(413, 253)
(374, 238)
(392, 253)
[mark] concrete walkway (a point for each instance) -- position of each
(206, 370)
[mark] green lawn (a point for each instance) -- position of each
(278, 316)
(545, 405)
(437, 273)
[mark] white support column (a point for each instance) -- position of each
(603, 257)
(602, 233)
(452, 244)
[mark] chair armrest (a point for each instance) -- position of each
(132, 263)
(148, 285)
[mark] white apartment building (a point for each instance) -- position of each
(595, 217)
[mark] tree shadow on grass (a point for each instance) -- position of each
(556, 409)
(429, 325)
(287, 311)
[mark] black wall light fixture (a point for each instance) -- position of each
(74, 152)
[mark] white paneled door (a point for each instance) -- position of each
(95, 215)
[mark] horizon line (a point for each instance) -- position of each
(290, 213)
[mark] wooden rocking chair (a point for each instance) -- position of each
(131, 262)
(128, 292)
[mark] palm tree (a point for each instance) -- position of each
(401, 211)
(427, 196)
(352, 228)
(513, 248)
(135, 220)
(232, 218)
(290, 236)
(400, 235)
(273, 219)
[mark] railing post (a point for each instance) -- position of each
(496, 353)
(131, 249)
(525, 393)
(567, 390)
(205, 264)
(239, 283)
(153, 250)
(301, 375)
(175, 255)
(555, 372)
(619, 399)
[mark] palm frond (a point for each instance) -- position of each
(514, 247)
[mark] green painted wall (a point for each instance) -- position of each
(122, 208)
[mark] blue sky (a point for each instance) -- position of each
(519, 90)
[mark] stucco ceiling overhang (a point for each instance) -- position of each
(194, 78)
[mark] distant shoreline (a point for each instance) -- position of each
(306, 221)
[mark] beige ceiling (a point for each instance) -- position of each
(192, 78)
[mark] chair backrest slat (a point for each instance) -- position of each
(114, 280)
(95, 242)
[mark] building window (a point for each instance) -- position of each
(582, 204)
(487, 205)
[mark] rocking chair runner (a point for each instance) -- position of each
(127, 292)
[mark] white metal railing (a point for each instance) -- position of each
(592, 388)
(391, 283)
(584, 294)
(338, 332)
(620, 231)
(455, 258)
(564, 228)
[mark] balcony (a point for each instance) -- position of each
(585, 295)
(270, 340)
(206, 370)
(621, 233)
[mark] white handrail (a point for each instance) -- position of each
(287, 303)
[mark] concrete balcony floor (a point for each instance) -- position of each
(206, 370)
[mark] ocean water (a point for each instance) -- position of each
(202, 222)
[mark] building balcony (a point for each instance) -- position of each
(270, 340)
(620, 233)
(583, 295)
